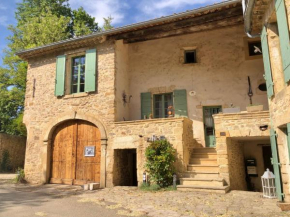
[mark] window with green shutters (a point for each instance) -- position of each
(284, 37)
(267, 64)
(180, 103)
(276, 164)
(79, 76)
(60, 75)
(161, 105)
(287, 131)
(146, 105)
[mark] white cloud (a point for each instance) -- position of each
(3, 21)
(103, 8)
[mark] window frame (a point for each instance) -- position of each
(163, 115)
(68, 72)
(190, 51)
(246, 48)
(79, 75)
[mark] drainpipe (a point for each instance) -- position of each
(248, 6)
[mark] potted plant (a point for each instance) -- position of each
(255, 108)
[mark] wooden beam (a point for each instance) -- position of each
(222, 17)
(205, 27)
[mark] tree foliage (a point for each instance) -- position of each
(160, 156)
(39, 22)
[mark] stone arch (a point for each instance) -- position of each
(47, 135)
(50, 127)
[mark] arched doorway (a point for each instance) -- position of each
(76, 153)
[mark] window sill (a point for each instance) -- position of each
(76, 95)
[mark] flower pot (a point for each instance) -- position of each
(255, 108)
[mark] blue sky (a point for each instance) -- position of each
(123, 11)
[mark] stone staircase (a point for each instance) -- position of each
(202, 173)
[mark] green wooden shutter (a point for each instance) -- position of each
(288, 138)
(146, 105)
(60, 76)
(180, 103)
(90, 71)
(284, 37)
(267, 64)
(276, 165)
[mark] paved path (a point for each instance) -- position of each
(72, 201)
(50, 201)
(176, 203)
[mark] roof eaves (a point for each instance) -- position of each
(133, 26)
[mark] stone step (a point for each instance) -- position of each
(204, 150)
(199, 175)
(204, 155)
(203, 161)
(202, 168)
(210, 189)
(202, 182)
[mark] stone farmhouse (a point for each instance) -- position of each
(92, 103)
(270, 21)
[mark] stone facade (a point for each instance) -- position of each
(124, 71)
(15, 145)
(135, 135)
(279, 102)
(231, 131)
(42, 107)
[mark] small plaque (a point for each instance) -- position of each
(90, 151)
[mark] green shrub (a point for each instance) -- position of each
(5, 163)
(21, 176)
(160, 156)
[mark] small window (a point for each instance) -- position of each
(262, 87)
(162, 102)
(190, 56)
(78, 74)
(255, 48)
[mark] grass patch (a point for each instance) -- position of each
(155, 187)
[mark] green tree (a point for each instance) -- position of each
(107, 23)
(39, 22)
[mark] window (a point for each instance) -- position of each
(253, 48)
(190, 56)
(161, 104)
(78, 74)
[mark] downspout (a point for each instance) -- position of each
(248, 6)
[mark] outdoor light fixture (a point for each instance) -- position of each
(144, 177)
(268, 184)
(174, 180)
(263, 127)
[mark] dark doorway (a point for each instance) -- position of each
(125, 167)
(267, 155)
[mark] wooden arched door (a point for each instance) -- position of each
(76, 153)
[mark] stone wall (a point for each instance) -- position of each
(42, 107)
(236, 165)
(239, 126)
(15, 145)
(134, 135)
(219, 78)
